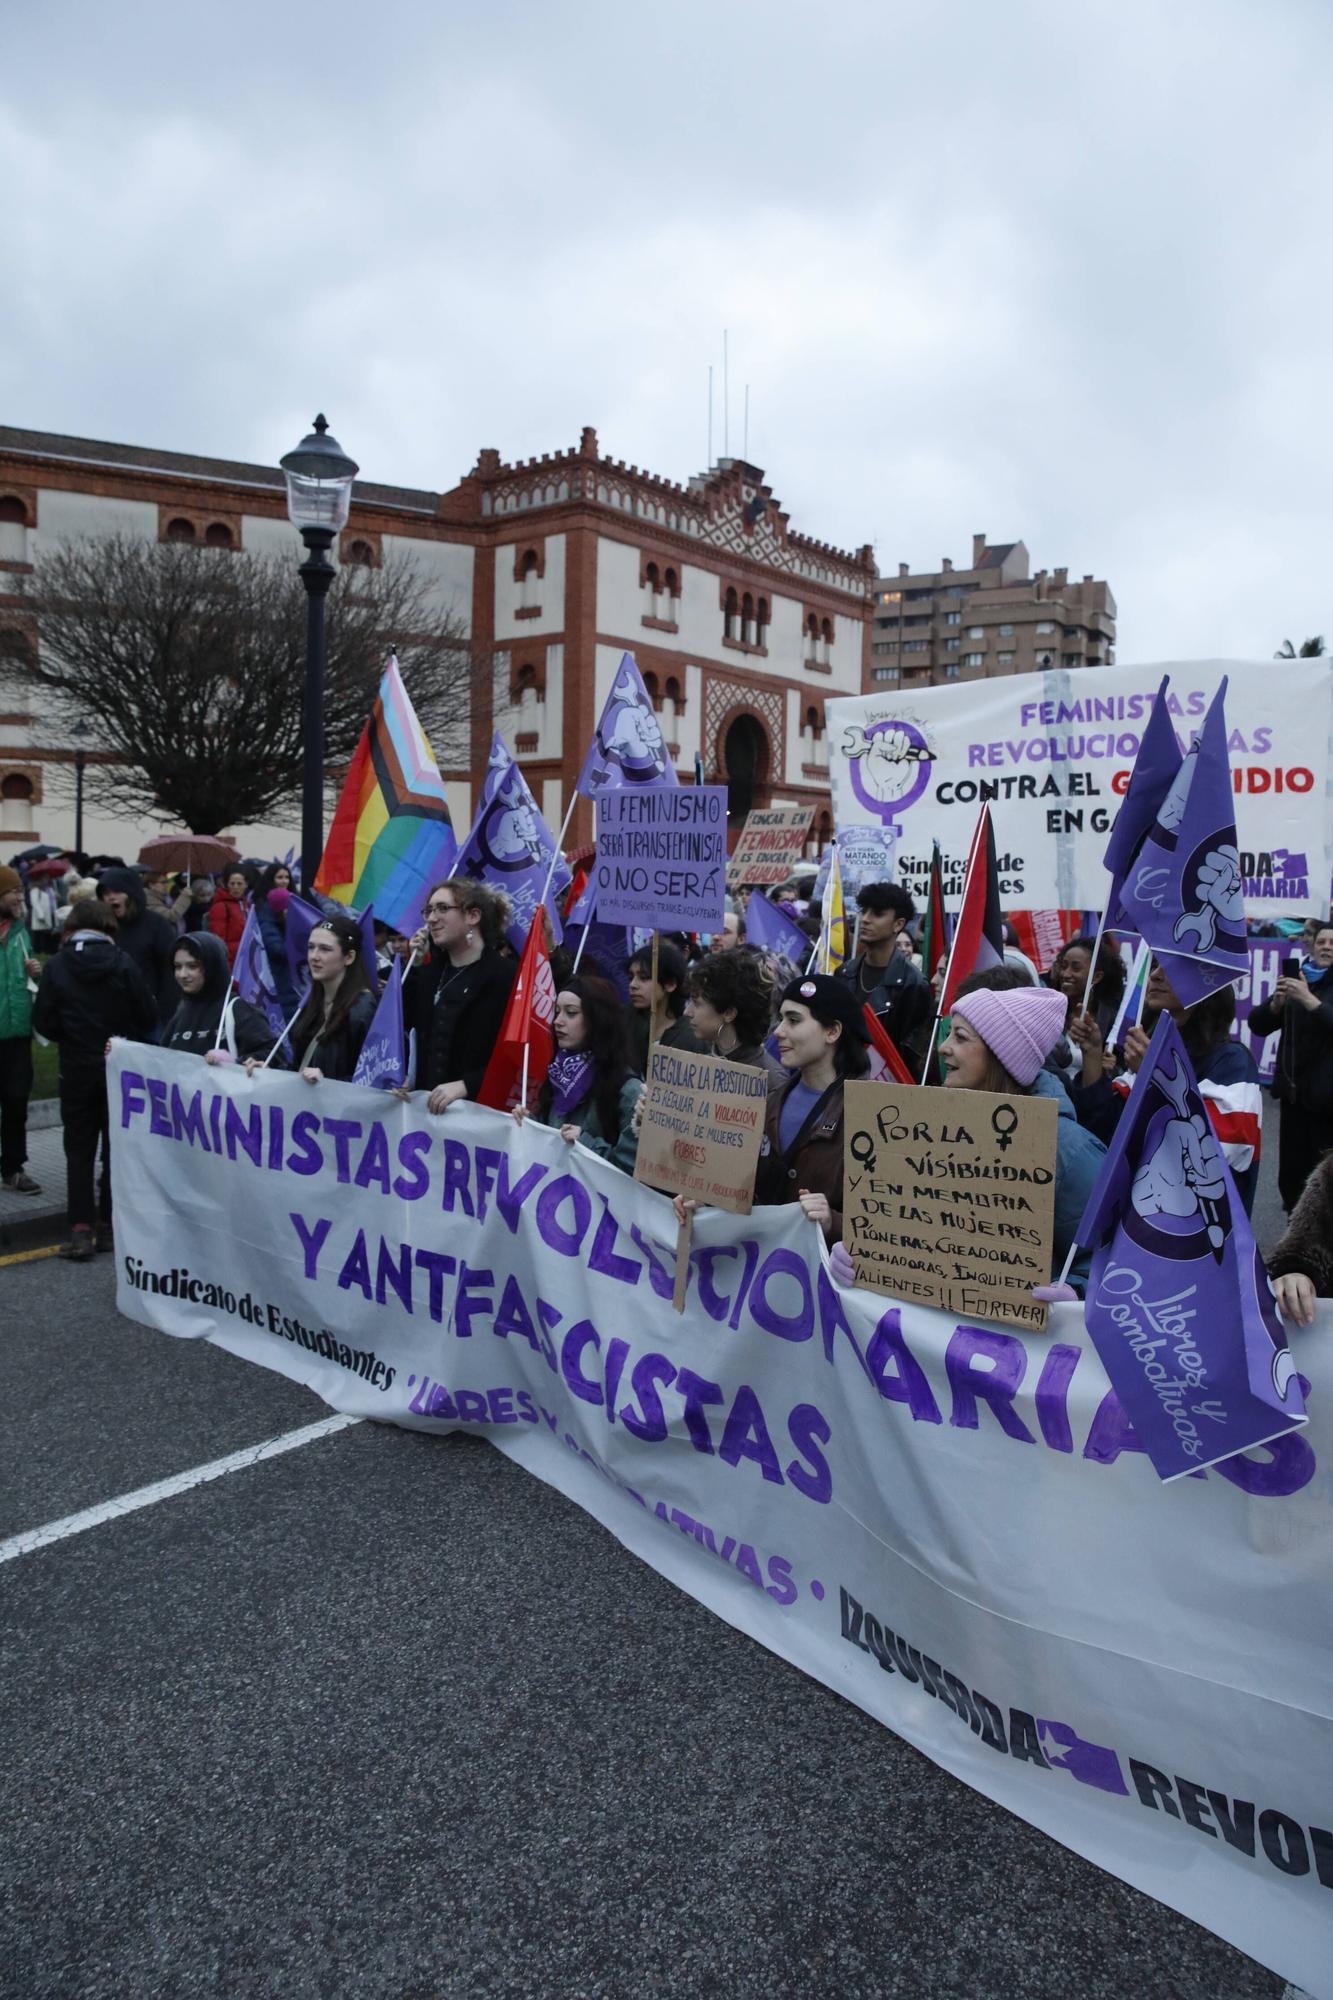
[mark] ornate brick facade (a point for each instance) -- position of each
(562, 562)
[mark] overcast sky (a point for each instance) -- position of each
(1043, 271)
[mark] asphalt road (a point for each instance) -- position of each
(386, 1717)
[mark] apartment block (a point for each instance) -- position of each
(993, 617)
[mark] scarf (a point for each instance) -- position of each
(570, 1076)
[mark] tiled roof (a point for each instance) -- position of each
(142, 458)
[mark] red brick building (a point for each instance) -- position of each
(741, 627)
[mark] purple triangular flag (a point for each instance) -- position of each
(1155, 768)
(382, 1064)
(510, 846)
(1182, 892)
(627, 746)
(1178, 1305)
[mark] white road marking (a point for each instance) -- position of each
(166, 1489)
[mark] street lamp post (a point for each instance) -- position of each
(79, 730)
(319, 495)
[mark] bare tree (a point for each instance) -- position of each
(189, 665)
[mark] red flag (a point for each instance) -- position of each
(1042, 934)
(576, 889)
(978, 939)
(528, 1023)
(882, 1044)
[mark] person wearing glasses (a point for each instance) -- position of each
(456, 997)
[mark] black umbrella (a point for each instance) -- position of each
(39, 853)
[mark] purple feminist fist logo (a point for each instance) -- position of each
(1179, 1205)
(889, 765)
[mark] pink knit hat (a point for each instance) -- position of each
(1019, 1026)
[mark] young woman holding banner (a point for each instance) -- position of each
(456, 998)
(821, 1039)
(589, 1093)
(327, 1034)
(197, 1027)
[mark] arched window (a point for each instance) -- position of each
(813, 724)
(671, 583)
(747, 619)
(360, 553)
(217, 535)
(526, 688)
(16, 786)
(674, 696)
(761, 623)
(730, 612)
(180, 531)
(654, 691)
(825, 639)
(12, 509)
(529, 580)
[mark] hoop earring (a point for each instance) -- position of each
(728, 1028)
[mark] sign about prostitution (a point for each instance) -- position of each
(949, 1198)
(662, 856)
(703, 1121)
(771, 845)
(1051, 754)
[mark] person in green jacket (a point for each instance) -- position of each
(590, 1094)
(17, 967)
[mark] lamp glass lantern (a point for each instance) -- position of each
(319, 481)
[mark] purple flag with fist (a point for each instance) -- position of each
(1182, 890)
(627, 746)
(1179, 1306)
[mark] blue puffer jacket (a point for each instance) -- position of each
(1078, 1161)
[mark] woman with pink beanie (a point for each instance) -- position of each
(998, 1040)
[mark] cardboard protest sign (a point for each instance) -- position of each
(703, 1120)
(771, 844)
(662, 856)
(949, 1197)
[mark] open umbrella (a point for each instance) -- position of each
(48, 871)
(42, 852)
(194, 853)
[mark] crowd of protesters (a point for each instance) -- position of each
(132, 953)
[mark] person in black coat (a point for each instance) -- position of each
(90, 991)
(899, 995)
(144, 936)
(666, 1001)
(204, 982)
(455, 1000)
(1300, 1012)
(327, 1035)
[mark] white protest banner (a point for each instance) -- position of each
(771, 845)
(703, 1120)
(1052, 753)
(949, 1197)
(662, 856)
(953, 1526)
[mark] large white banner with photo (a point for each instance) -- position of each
(1052, 754)
(952, 1525)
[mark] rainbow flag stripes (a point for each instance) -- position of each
(391, 835)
